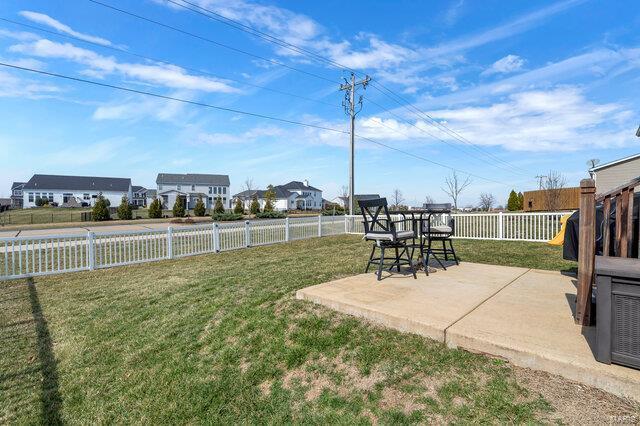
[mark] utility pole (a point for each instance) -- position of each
(349, 105)
(540, 177)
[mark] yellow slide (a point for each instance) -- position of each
(558, 240)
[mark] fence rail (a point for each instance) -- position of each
(32, 256)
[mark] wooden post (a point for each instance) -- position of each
(629, 241)
(606, 229)
(586, 251)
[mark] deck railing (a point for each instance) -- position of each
(32, 256)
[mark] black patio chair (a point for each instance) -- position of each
(382, 230)
(434, 233)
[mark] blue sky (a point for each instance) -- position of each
(527, 87)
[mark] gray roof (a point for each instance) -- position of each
(137, 188)
(613, 163)
(260, 193)
(192, 179)
(151, 193)
(78, 183)
(294, 184)
(17, 185)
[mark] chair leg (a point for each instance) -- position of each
(455, 257)
(381, 262)
(411, 267)
(425, 259)
(373, 250)
(444, 250)
(397, 260)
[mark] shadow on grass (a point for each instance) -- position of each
(50, 398)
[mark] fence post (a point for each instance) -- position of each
(91, 252)
(319, 225)
(286, 228)
(247, 233)
(169, 242)
(586, 251)
(216, 237)
(500, 225)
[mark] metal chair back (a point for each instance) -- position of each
(377, 219)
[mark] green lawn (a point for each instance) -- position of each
(221, 339)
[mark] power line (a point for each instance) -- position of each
(150, 58)
(282, 43)
(208, 40)
(253, 31)
(171, 98)
(428, 133)
(236, 111)
(433, 122)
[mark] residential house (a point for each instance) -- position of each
(75, 190)
(344, 201)
(190, 187)
(611, 175)
(139, 196)
(5, 204)
(294, 195)
(151, 194)
(16, 194)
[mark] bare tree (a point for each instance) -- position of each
(454, 185)
(591, 163)
(428, 199)
(397, 198)
(248, 184)
(486, 201)
(553, 185)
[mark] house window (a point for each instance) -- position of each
(159, 187)
(51, 197)
(179, 187)
(31, 197)
(86, 196)
(210, 191)
(193, 187)
(224, 189)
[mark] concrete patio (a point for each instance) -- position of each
(522, 315)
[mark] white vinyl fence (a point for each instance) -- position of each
(539, 227)
(32, 256)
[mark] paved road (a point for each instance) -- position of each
(82, 230)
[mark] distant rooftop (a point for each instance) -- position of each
(192, 179)
(77, 183)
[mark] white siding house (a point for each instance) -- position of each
(611, 175)
(192, 186)
(75, 190)
(294, 195)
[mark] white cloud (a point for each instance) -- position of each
(556, 120)
(597, 62)
(41, 18)
(393, 62)
(166, 75)
(134, 110)
(12, 86)
(252, 135)
(508, 64)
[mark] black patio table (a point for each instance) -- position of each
(418, 218)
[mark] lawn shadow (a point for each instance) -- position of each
(50, 398)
